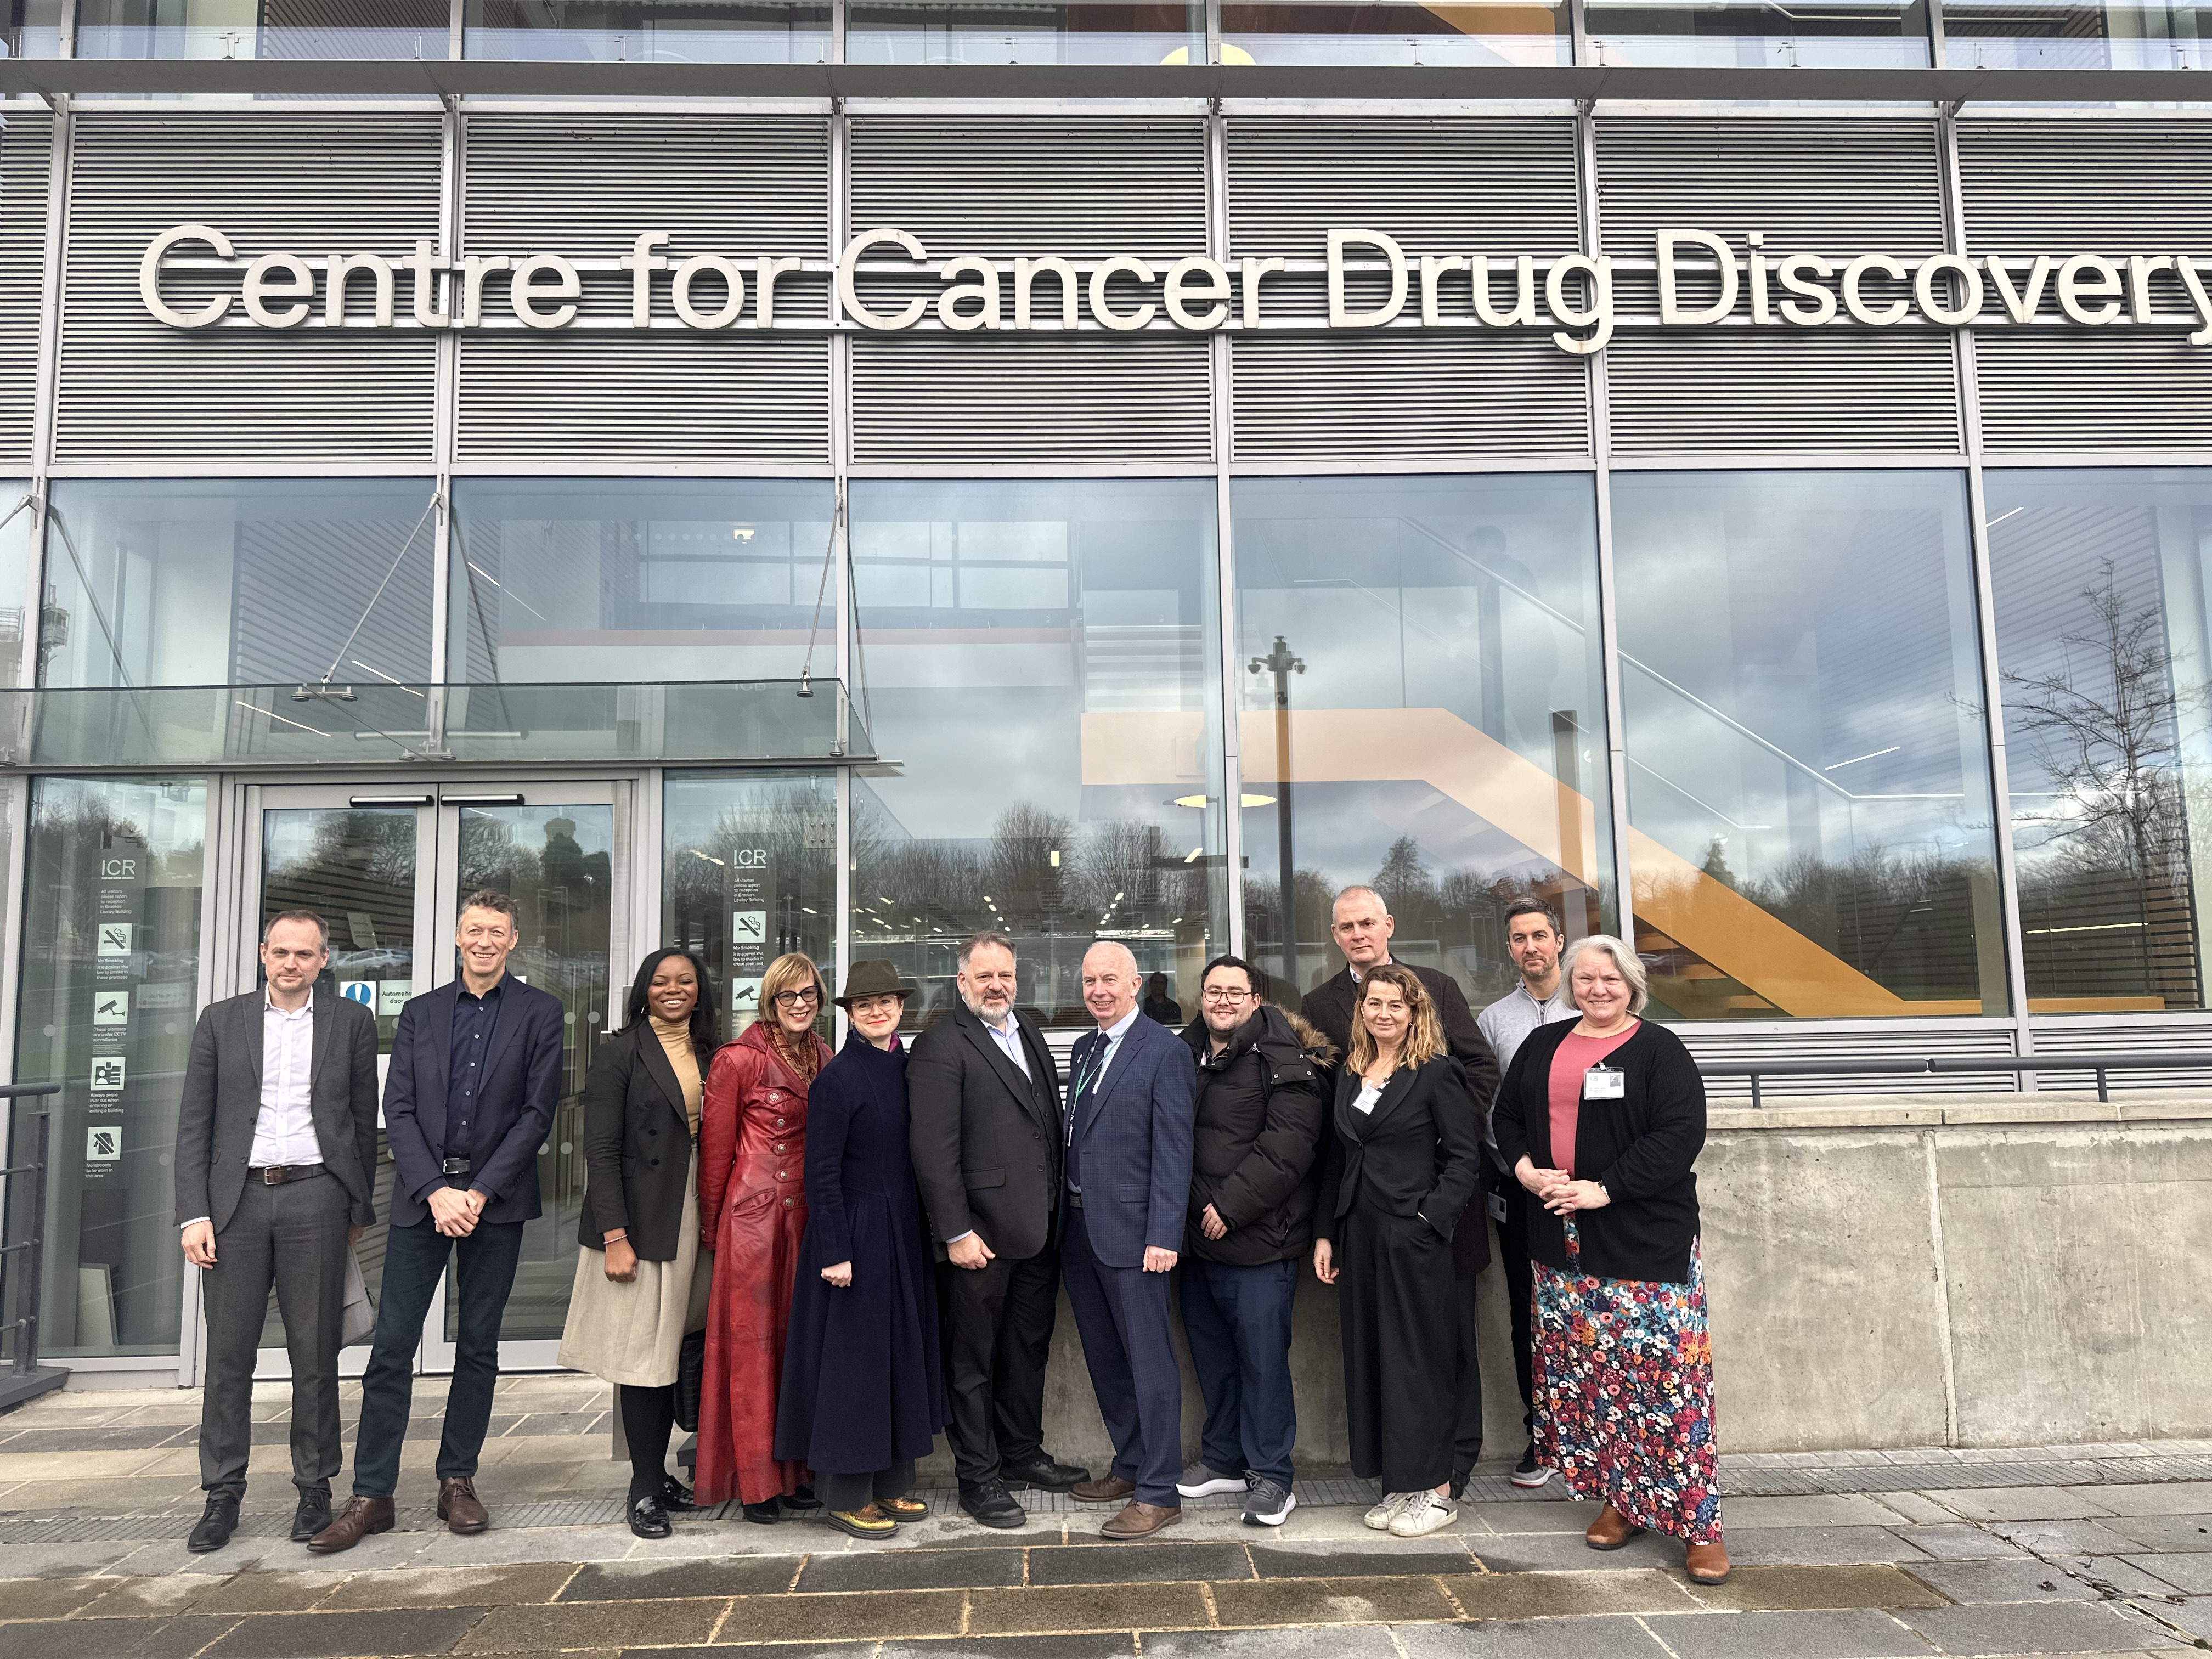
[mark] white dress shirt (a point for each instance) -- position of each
(1094, 1074)
(1009, 1039)
(285, 1131)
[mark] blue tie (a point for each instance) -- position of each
(1087, 1077)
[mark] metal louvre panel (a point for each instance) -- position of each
(2166, 1034)
(1780, 388)
(1400, 396)
(1719, 1045)
(2087, 186)
(2102, 388)
(998, 186)
(26, 184)
(1813, 187)
(1031, 397)
(1005, 187)
(587, 186)
(132, 389)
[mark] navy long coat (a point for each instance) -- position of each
(862, 1388)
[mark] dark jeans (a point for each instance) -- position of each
(484, 1272)
(1238, 1321)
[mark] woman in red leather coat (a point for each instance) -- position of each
(752, 1211)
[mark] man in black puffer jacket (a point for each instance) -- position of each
(1261, 1115)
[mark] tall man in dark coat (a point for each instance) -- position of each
(276, 1180)
(983, 1094)
(475, 1076)
(1260, 1122)
(1128, 1176)
(1362, 926)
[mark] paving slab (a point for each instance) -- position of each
(1839, 1509)
(2163, 1497)
(1545, 1639)
(1567, 1552)
(1524, 1517)
(598, 1625)
(1959, 1542)
(2190, 1574)
(657, 1580)
(2029, 1503)
(846, 1618)
(1082, 1608)
(1512, 1596)
(2189, 1533)
(1325, 1561)
(1331, 1601)
(1918, 1509)
(452, 1587)
(1842, 1633)
(1131, 1564)
(2026, 1579)
(113, 1639)
(1349, 1641)
(2069, 1537)
(1764, 1589)
(1818, 1546)
(2064, 1627)
(341, 1635)
(2193, 1614)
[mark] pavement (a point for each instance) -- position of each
(2077, 1550)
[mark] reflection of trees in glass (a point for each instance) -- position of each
(2104, 728)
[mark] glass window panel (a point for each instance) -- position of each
(110, 970)
(600, 580)
(1387, 32)
(749, 871)
(1808, 772)
(18, 608)
(1444, 738)
(263, 28)
(244, 582)
(2104, 632)
(1043, 657)
(2020, 34)
(32, 29)
(1760, 33)
(979, 31)
(650, 31)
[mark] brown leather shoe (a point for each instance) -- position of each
(1610, 1530)
(1106, 1489)
(458, 1506)
(359, 1518)
(1708, 1563)
(1139, 1521)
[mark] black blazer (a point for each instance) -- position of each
(221, 1103)
(1419, 1152)
(637, 1145)
(1328, 1006)
(1642, 1146)
(986, 1140)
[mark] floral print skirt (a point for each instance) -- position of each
(1625, 1395)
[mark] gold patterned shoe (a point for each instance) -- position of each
(867, 1522)
(904, 1510)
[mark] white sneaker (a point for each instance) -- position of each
(1423, 1513)
(1202, 1481)
(1385, 1512)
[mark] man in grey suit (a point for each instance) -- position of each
(275, 1173)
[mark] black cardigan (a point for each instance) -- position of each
(1417, 1154)
(637, 1145)
(1642, 1146)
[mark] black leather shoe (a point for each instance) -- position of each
(646, 1517)
(804, 1498)
(990, 1504)
(675, 1496)
(765, 1514)
(217, 1524)
(1043, 1475)
(312, 1516)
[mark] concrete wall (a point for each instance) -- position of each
(1890, 1272)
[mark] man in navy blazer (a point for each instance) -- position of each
(475, 1074)
(1132, 1104)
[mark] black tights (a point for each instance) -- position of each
(648, 1418)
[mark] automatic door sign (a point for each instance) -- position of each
(745, 996)
(103, 1143)
(111, 1008)
(363, 991)
(106, 1073)
(115, 938)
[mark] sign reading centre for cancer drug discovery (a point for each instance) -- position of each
(1570, 295)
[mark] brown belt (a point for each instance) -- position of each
(275, 1175)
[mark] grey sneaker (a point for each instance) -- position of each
(1202, 1481)
(1266, 1503)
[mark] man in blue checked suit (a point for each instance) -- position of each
(1130, 1106)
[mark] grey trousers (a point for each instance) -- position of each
(293, 1235)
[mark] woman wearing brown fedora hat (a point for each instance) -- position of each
(863, 1396)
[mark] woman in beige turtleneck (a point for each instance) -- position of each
(642, 1276)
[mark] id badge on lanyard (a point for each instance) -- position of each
(1605, 1083)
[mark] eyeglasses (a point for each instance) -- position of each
(1228, 996)
(807, 999)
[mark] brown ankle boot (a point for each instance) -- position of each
(458, 1506)
(1610, 1530)
(1707, 1564)
(359, 1518)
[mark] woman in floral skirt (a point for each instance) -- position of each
(1603, 1121)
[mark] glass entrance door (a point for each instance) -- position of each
(387, 868)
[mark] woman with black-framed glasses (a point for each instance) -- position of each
(752, 1211)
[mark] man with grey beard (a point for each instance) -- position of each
(983, 1095)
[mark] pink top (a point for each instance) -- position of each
(1576, 1055)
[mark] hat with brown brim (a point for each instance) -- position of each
(872, 978)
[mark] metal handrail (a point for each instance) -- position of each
(2019, 1065)
(33, 1242)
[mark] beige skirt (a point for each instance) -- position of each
(631, 1333)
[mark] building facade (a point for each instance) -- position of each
(764, 510)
